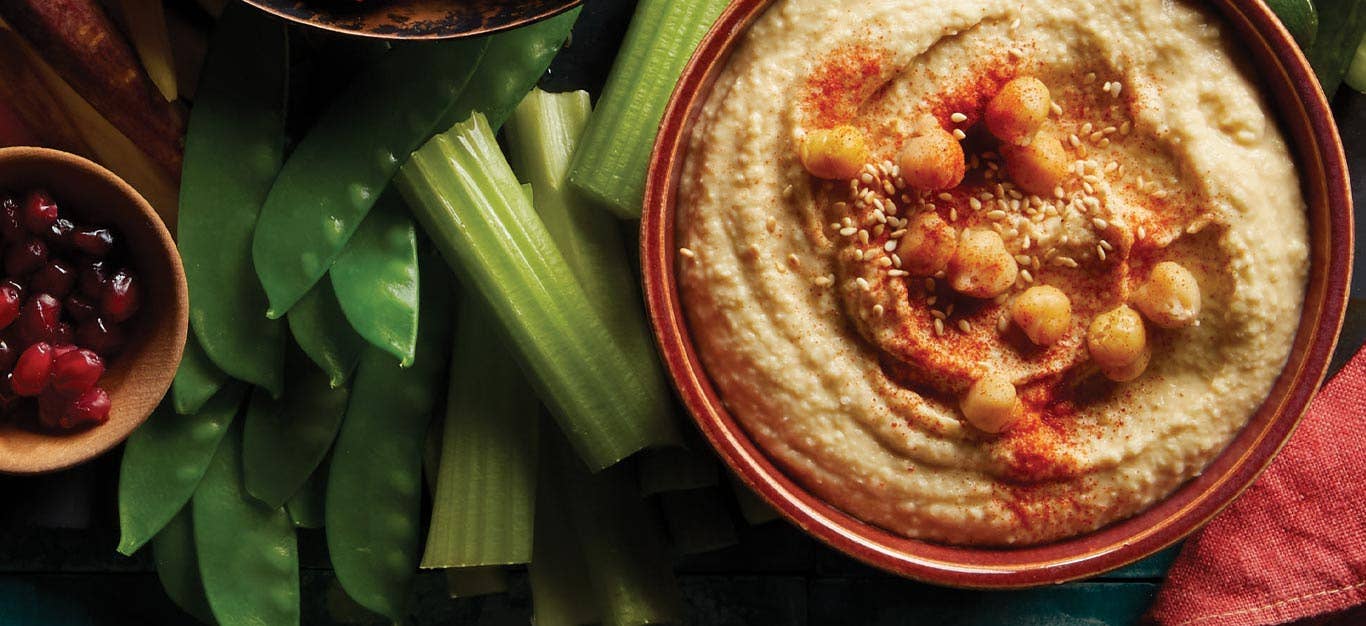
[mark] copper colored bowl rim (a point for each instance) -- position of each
(1303, 112)
(332, 21)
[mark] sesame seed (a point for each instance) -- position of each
(687, 252)
(863, 236)
(959, 134)
(1125, 128)
(889, 246)
(1114, 89)
(1111, 166)
(964, 326)
(896, 259)
(1104, 143)
(931, 300)
(848, 231)
(884, 262)
(1142, 232)
(1090, 77)
(822, 281)
(953, 214)
(1002, 324)
(1029, 278)
(1022, 259)
(1058, 192)
(1106, 244)
(996, 215)
(863, 283)
(858, 253)
(1100, 252)
(943, 196)
(878, 310)
(887, 188)
(1072, 139)
(975, 204)
(772, 224)
(929, 284)
(958, 118)
(1096, 136)
(1160, 194)
(1106, 87)
(1055, 107)
(898, 273)
(1100, 223)
(938, 315)
(866, 178)
(939, 327)
(896, 234)
(1066, 261)
(1015, 24)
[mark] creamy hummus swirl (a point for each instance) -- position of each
(836, 367)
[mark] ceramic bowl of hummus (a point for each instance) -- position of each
(995, 295)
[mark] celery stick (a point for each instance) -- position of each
(467, 199)
(561, 593)
(698, 520)
(623, 544)
(610, 166)
(676, 469)
(485, 490)
(468, 582)
(752, 507)
(542, 135)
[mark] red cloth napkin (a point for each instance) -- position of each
(1294, 545)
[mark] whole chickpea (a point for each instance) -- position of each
(932, 160)
(1118, 343)
(834, 153)
(1170, 297)
(927, 246)
(1039, 166)
(1044, 313)
(1018, 110)
(991, 405)
(981, 266)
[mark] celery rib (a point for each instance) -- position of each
(462, 190)
(610, 165)
(486, 485)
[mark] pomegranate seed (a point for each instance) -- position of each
(8, 355)
(90, 409)
(38, 211)
(39, 318)
(78, 308)
(23, 257)
(10, 301)
(33, 370)
(59, 233)
(10, 226)
(121, 296)
(61, 349)
(95, 242)
(76, 371)
(92, 280)
(55, 278)
(105, 338)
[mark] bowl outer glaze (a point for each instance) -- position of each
(1303, 113)
(416, 19)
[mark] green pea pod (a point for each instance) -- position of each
(284, 440)
(306, 507)
(320, 328)
(374, 489)
(376, 279)
(233, 149)
(164, 462)
(196, 380)
(248, 553)
(339, 169)
(178, 566)
(514, 63)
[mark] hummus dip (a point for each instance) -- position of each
(876, 194)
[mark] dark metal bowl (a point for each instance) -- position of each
(415, 19)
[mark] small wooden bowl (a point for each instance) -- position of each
(138, 378)
(1308, 122)
(415, 19)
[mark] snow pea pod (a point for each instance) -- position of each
(248, 553)
(178, 566)
(233, 149)
(376, 279)
(306, 507)
(337, 172)
(374, 488)
(196, 380)
(321, 330)
(284, 440)
(513, 64)
(164, 462)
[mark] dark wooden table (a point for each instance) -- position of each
(58, 533)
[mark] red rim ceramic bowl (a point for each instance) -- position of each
(1305, 117)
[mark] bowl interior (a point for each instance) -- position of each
(138, 378)
(1304, 116)
(415, 19)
